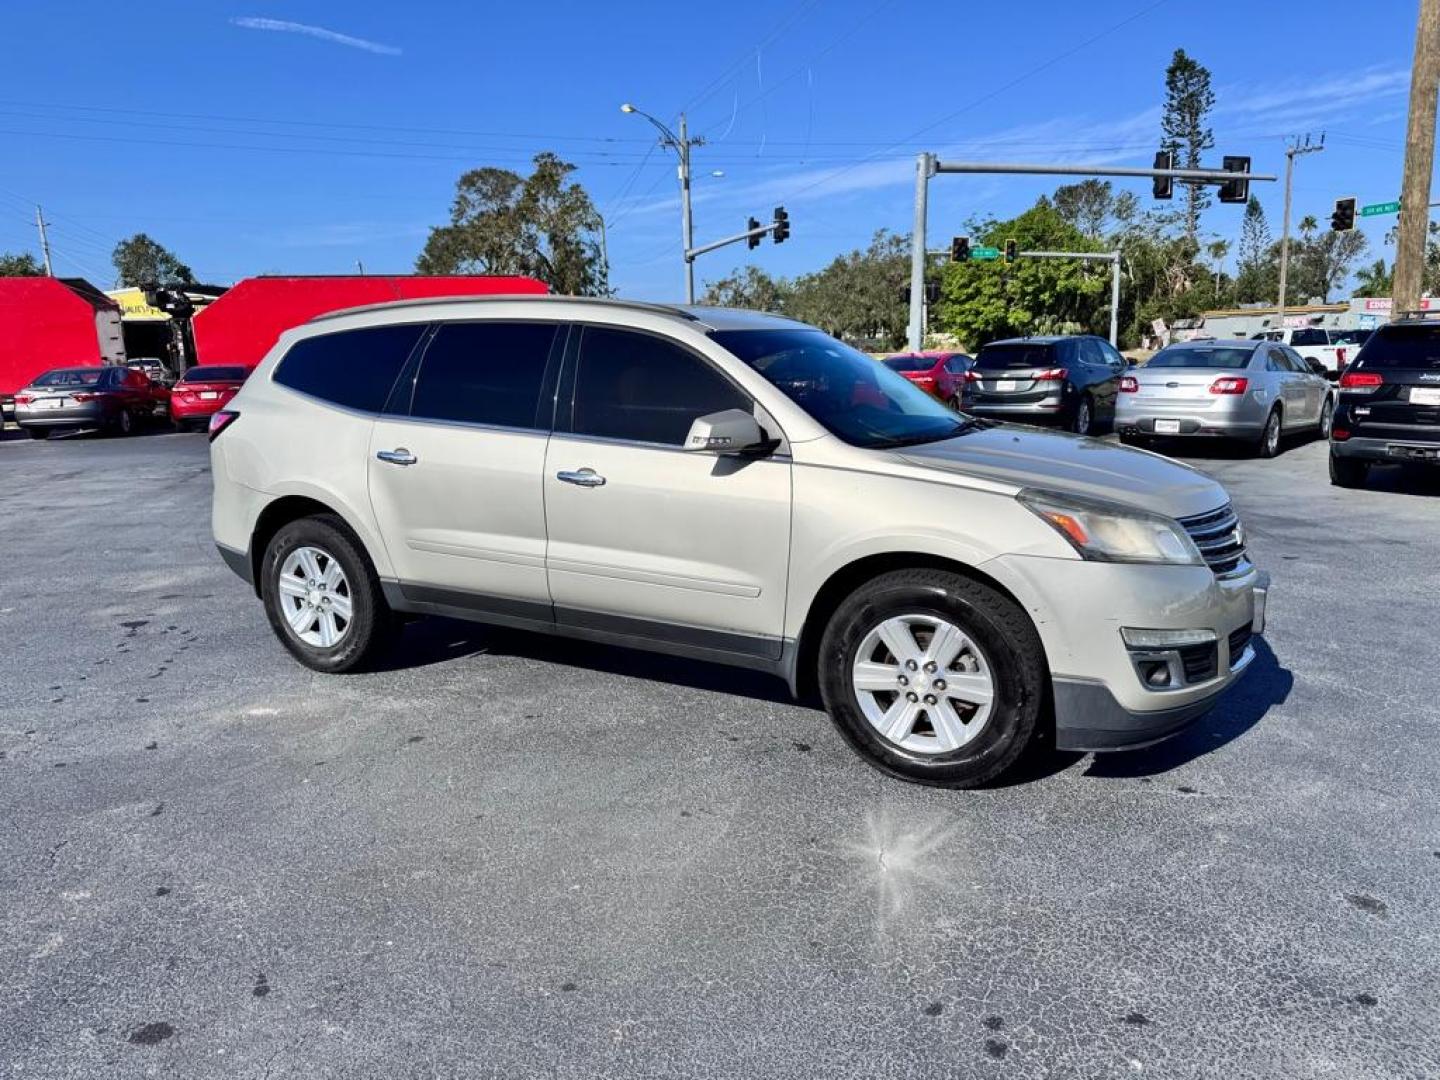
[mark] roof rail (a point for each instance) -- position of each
(491, 298)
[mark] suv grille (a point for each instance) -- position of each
(1220, 538)
(1199, 661)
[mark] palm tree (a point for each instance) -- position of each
(1373, 280)
(1308, 225)
(1217, 249)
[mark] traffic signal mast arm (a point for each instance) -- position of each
(780, 227)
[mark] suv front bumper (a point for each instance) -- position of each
(1100, 701)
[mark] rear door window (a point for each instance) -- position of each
(1309, 337)
(642, 388)
(352, 368)
(485, 373)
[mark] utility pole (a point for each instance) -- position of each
(44, 240)
(1291, 153)
(924, 169)
(1419, 161)
(681, 144)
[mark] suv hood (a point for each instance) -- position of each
(1070, 464)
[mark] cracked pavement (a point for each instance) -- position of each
(508, 856)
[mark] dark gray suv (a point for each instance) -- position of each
(1072, 381)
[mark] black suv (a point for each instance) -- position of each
(1069, 380)
(1389, 409)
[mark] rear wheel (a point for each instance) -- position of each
(39, 432)
(1348, 472)
(1084, 416)
(1327, 414)
(954, 402)
(1269, 445)
(933, 677)
(125, 422)
(322, 596)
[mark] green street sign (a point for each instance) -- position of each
(984, 254)
(1376, 209)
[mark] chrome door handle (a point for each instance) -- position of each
(582, 477)
(399, 456)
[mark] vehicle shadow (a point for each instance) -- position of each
(436, 639)
(1265, 685)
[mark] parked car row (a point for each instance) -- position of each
(118, 399)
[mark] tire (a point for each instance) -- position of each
(1271, 435)
(358, 638)
(1083, 422)
(1348, 472)
(954, 402)
(1000, 644)
(1327, 414)
(125, 422)
(38, 432)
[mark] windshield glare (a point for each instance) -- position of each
(1201, 358)
(908, 363)
(1016, 357)
(214, 374)
(851, 395)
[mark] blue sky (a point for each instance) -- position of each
(282, 136)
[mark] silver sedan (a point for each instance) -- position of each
(1251, 390)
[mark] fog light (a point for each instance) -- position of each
(1156, 673)
(1164, 639)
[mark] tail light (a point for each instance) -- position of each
(23, 399)
(1230, 384)
(971, 375)
(221, 420)
(1340, 356)
(84, 397)
(1339, 434)
(1058, 374)
(1129, 384)
(1361, 382)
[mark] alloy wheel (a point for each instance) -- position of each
(315, 597)
(923, 684)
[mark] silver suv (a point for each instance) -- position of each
(740, 488)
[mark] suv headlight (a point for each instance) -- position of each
(1109, 532)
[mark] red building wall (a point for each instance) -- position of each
(45, 323)
(241, 326)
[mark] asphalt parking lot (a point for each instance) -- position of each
(509, 856)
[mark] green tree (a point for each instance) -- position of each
(750, 288)
(539, 225)
(1255, 279)
(1183, 128)
(1088, 205)
(981, 302)
(139, 260)
(860, 296)
(1374, 279)
(1319, 265)
(19, 265)
(1216, 251)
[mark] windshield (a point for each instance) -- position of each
(1011, 357)
(1402, 347)
(214, 374)
(70, 377)
(1349, 337)
(1201, 358)
(908, 363)
(862, 402)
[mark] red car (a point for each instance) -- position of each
(939, 373)
(202, 391)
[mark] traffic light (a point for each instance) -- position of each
(1343, 219)
(1163, 187)
(782, 225)
(752, 241)
(960, 249)
(1235, 191)
(1012, 250)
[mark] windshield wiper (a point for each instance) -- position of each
(961, 426)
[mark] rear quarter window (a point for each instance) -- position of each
(353, 368)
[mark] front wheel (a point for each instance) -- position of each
(933, 677)
(1348, 472)
(322, 596)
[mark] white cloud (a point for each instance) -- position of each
(249, 22)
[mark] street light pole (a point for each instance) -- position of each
(681, 144)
